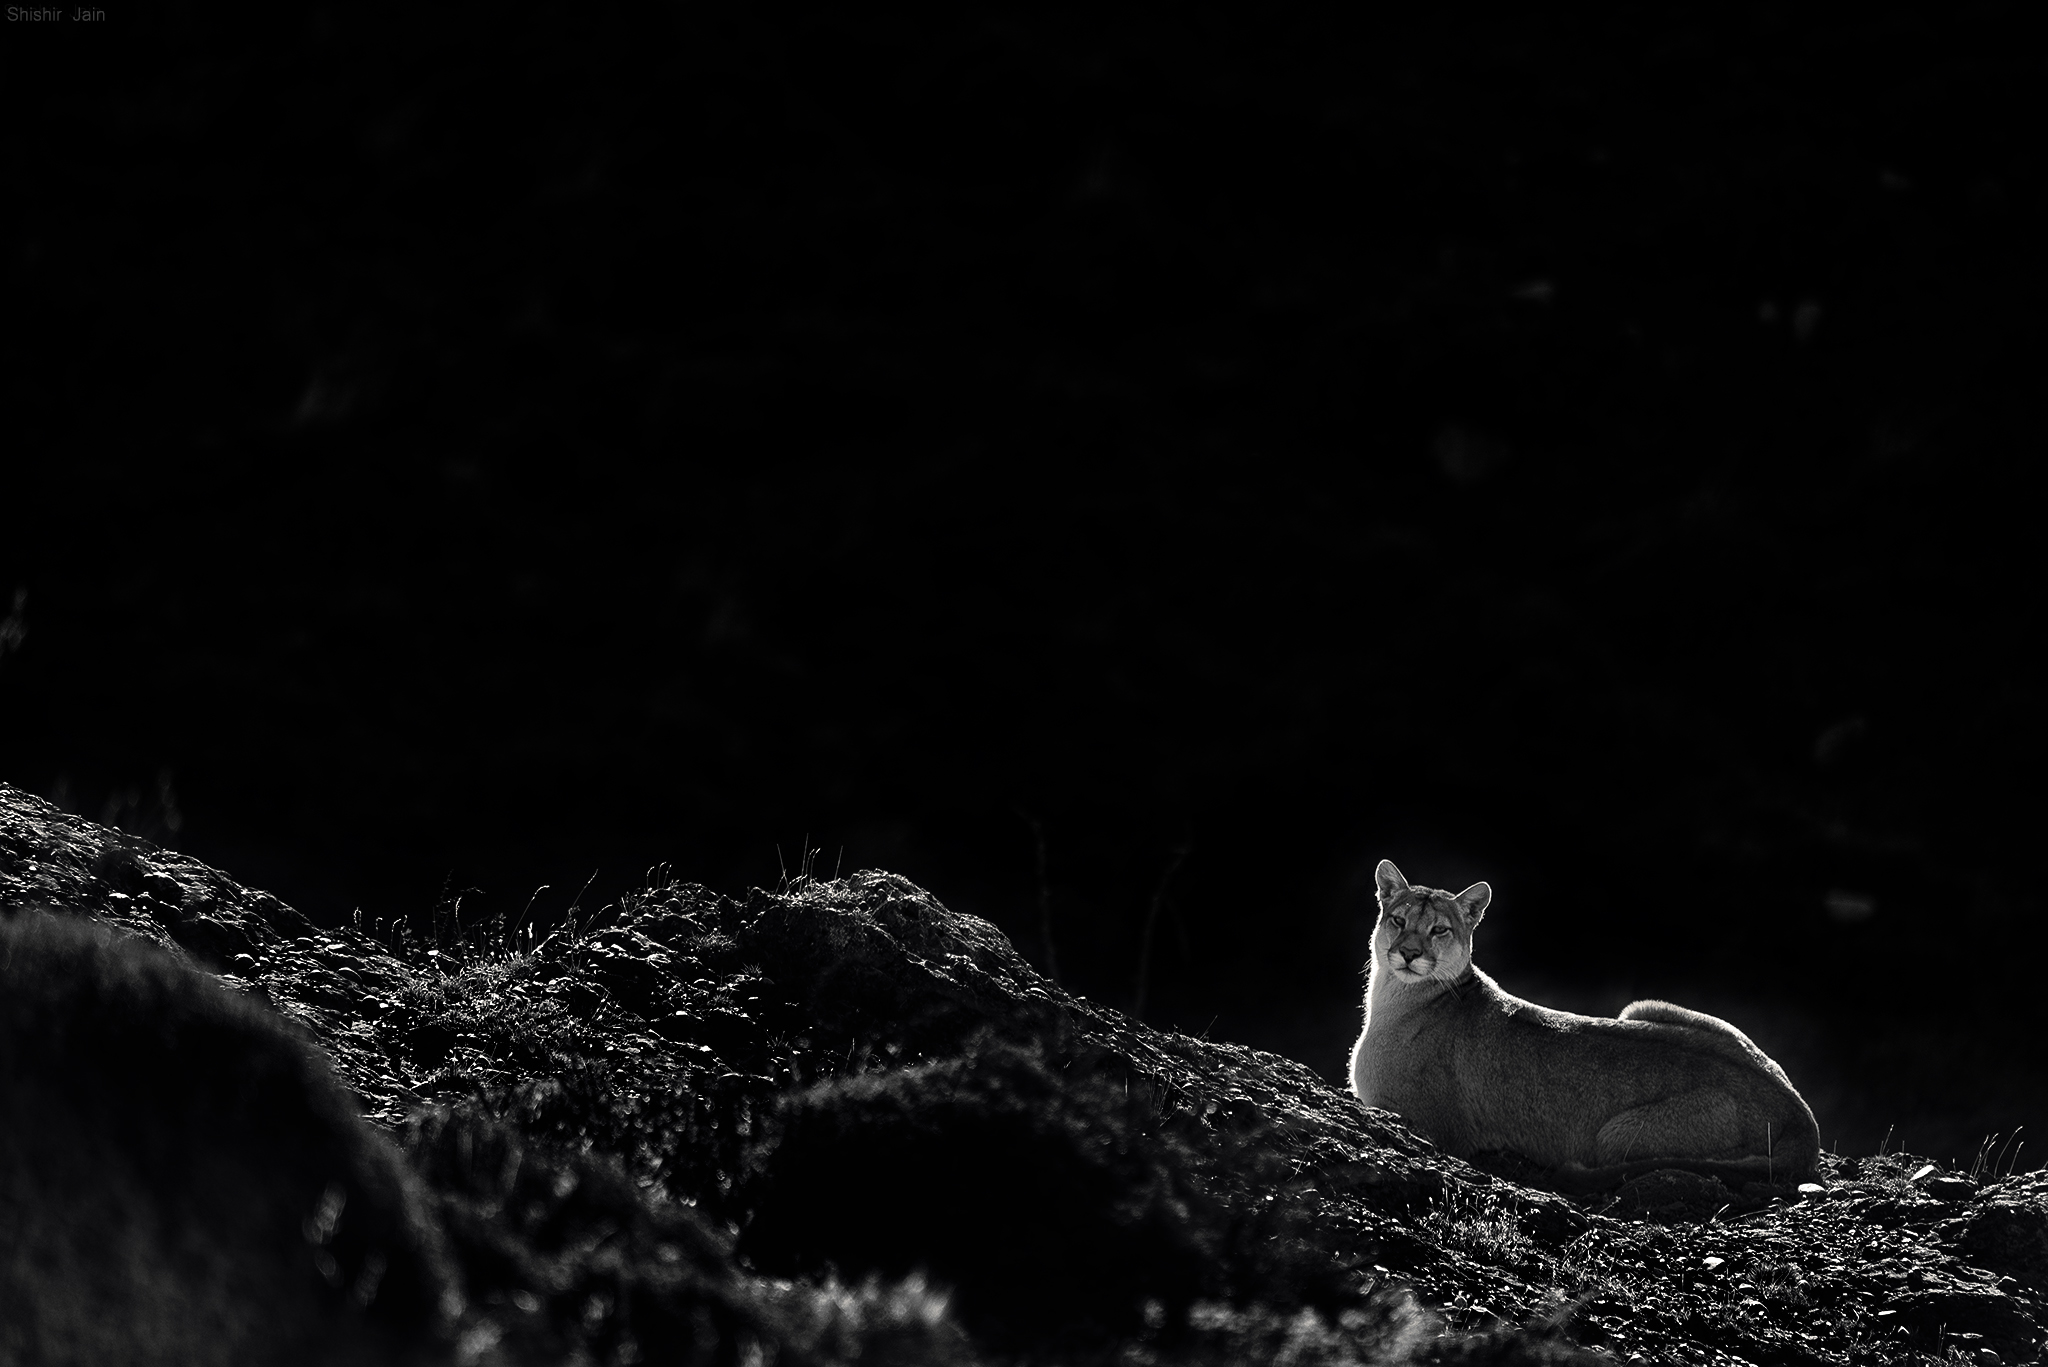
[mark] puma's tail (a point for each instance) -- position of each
(1679, 1015)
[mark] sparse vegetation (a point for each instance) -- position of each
(1996, 1161)
(837, 1120)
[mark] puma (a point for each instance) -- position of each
(1595, 1101)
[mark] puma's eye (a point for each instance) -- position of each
(1400, 922)
(1439, 930)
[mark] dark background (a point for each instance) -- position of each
(455, 452)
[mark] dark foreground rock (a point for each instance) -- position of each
(182, 1180)
(840, 1121)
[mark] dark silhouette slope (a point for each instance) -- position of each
(839, 1120)
(181, 1181)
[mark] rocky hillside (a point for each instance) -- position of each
(838, 1121)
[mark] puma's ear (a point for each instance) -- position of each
(1472, 901)
(1391, 883)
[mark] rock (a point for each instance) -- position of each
(60, 862)
(2007, 1231)
(183, 1182)
(1936, 1312)
(995, 1175)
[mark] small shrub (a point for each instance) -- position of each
(1471, 1218)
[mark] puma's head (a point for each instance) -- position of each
(1424, 933)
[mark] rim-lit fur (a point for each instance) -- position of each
(1475, 1069)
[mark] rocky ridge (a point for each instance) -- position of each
(838, 1119)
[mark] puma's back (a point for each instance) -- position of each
(1475, 1069)
(182, 1181)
